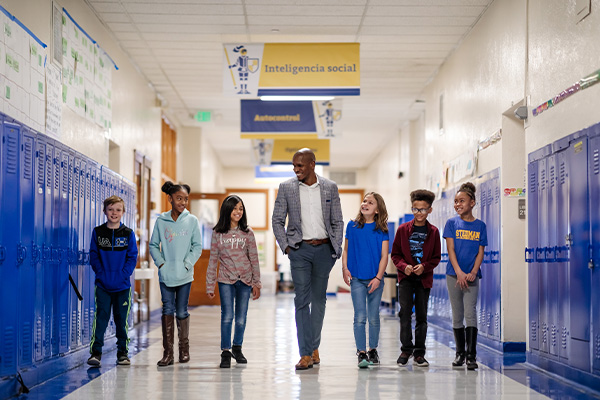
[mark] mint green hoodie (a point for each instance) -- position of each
(176, 245)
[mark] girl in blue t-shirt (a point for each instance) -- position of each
(466, 238)
(364, 260)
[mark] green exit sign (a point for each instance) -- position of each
(202, 116)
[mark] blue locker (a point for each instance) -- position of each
(9, 225)
(532, 243)
(87, 273)
(562, 254)
(495, 262)
(38, 246)
(26, 261)
(542, 228)
(594, 179)
(579, 273)
(75, 187)
(550, 255)
(49, 342)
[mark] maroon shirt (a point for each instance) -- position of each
(432, 250)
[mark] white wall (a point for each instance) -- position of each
(135, 119)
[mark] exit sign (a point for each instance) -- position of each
(202, 116)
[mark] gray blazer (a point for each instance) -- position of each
(287, 204)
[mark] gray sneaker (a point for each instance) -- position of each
(122, 359)
(94, 360)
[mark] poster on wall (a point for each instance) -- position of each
(53, 100)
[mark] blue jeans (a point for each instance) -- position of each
(366, 307)
(310, 267)
(239, 293)
(175, 300)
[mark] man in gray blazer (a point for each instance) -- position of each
(313, 242)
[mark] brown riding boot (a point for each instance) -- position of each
(183, 329)
(168, 332)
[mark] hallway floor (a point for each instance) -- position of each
(271, 347)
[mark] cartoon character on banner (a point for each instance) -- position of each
(262, 151)
(244, 65)
(331, 115)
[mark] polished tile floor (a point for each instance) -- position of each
(271, 348)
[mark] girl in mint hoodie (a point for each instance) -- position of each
(175, 246)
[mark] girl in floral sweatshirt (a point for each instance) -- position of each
(233, 248)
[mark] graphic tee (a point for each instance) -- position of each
(415, 241)
(468, 236)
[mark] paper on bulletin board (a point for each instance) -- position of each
(54, 101)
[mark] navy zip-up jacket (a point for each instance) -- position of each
(113, 256)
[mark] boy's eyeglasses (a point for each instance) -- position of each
(419, 210)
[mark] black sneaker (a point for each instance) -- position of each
(363, 360)
(403, 359)
(122, 359)
(420, 361)
(373, 357)
(94, 360)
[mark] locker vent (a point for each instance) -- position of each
(28, 167)
(11, 155)
(564, 337)
(543, 180)
(497, 196)
(56, 174)
(38, 338)
(8, 361)
(544, 332)
(562, 172)
(48, 170)
(74, 327)
(40, 165)
(532, 183)
(490, 197)
(63, 330)
(597, 347)
(65, 175)
(552, 176)
(596, 162)
(26, 354)
(554, 335)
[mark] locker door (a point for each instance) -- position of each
(85, 233)
(62, 234)
(594, 177)
(562, 254)
(541, 252)
(552, 270)
(48, 253)
(75, 185)
(10, 226)
(37, 254)
(26, 266)
(579, 273)
(532, 243)
(496, 262)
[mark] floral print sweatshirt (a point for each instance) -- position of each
(237, 256)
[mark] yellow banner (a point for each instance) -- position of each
(284, 150)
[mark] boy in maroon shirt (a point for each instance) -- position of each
(416, 252)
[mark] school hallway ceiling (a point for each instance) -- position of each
(178, 46)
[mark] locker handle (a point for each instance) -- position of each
(529, 251)
(21, 253)
(538, 251)
(2, 254)
(591, 251)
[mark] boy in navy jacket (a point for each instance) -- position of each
(113, 257)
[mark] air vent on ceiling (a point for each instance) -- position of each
(343, 178)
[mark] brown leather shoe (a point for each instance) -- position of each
(315, 357)
(304, 363)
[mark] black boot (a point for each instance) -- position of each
(459, 338)
(471, 347)
(226, 359)
(237, 354)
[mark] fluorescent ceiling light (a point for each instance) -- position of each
(296, 98)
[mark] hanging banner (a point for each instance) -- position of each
(261, 151)
(284, 150)
(323, 118)
(291, 69)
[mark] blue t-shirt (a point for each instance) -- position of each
(364, 249)
(468, 236)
